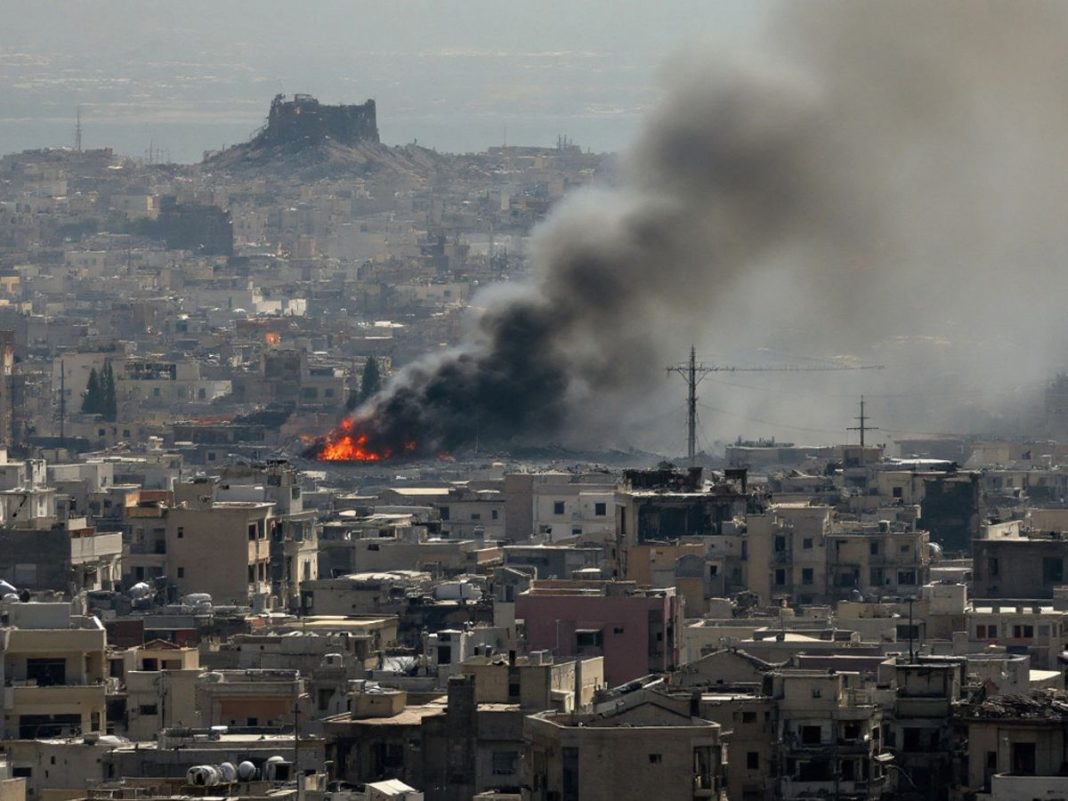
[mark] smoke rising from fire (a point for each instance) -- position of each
(884, 180)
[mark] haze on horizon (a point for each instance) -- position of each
(457, 75)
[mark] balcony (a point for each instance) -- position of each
(26, 696)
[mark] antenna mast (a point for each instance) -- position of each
(863, 423)
(693, 373)
(78, 131)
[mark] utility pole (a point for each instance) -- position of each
(693, 373)
(863, 421)
(62, 403)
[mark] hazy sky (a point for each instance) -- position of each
(454, 74)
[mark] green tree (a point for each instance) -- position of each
(91, 396)
(371, 380)
(109, 406)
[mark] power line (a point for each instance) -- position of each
(769, 422)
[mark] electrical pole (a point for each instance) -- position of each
(863, 421)
(62, 403)
(693, 373)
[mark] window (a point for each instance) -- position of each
(752, 760)
(780, 577)
(493, 514)
(806, 575)
(907, 632)
(252, 531)
(476, 515)
(811, 735)
(806, 543)
(600, 509)
(181, 532)
(505, 763)
(22, 773)
(443, 513)
(148, 709)
(780, 543)
(992, 566)
(906, 577)
(748, 717)
(1023, 759)
(47, 672)
(656, 759)
(181, 572)
(558, 507)
(905, 548)
(817, 692)
(897, 492)
(1052, 570)
(588, 638)
(1023, 632)
(873, 548)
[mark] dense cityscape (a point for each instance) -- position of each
(339, 470)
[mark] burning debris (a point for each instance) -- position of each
(357, 442)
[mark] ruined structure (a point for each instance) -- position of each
(305, 122)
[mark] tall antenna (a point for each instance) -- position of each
(693, 373)
(78, 131)
(863, 423)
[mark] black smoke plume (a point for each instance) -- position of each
(866, 181)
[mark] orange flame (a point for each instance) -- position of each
(272, 338)
(348, 444)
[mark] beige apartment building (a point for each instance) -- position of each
(53, 672)
(160, 682)
(220, 548)
(646, 751)
(787, 552)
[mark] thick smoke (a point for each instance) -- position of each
(886, 181)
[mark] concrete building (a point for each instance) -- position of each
(536, 682)
(787, 552)
(249, 698)
(159, 679)
(235, 534)
(53, 671)
(66, 556)
(1021, 738)
(650, 750)
(1012, 563)
(830, 736)
(635, 630)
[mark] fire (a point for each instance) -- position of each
(353, 443)
(272, 338)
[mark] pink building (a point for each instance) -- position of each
(635, 630)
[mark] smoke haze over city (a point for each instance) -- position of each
(881, 187)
